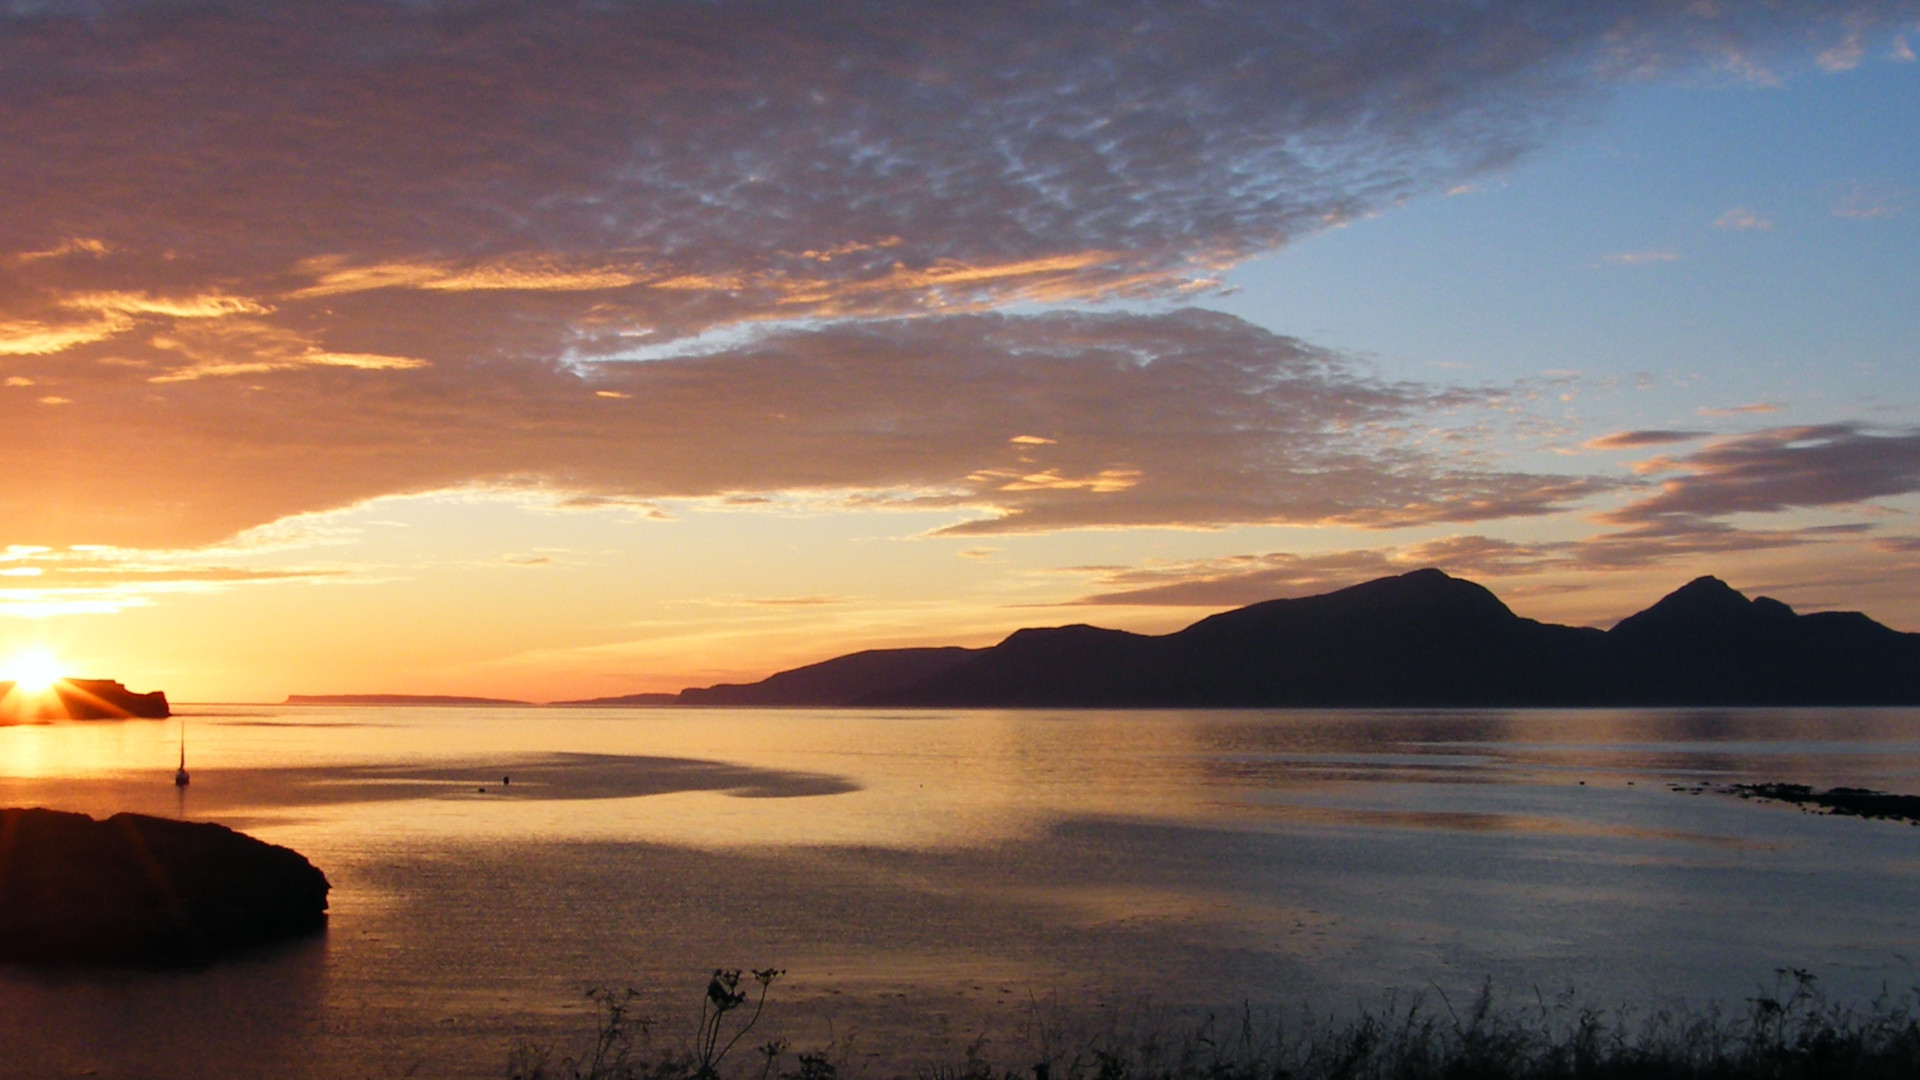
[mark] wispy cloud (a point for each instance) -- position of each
(41, 582)
(1749, 409)
(67, 321)
(1246, 579)
(70, 245)
(200, 306)
(1743, 218)
(1847, 54)
(332, 276)
(27, 337)
(251, 347)
(1867, 202)
(1779, 469)
(1634, 440)
(1641, 258)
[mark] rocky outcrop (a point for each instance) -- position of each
(140, 890)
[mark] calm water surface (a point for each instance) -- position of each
(929, 879)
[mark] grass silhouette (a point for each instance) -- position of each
(1789, 1031)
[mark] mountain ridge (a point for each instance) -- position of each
(1421, 639)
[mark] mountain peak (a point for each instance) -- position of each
(1707, 584)
(1704, 594)
(1703, 604)
(1425, 597)
(1429, 587)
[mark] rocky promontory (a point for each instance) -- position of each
(140, 890)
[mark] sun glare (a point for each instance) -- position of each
(31, 672)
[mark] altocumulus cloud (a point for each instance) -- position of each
(299, 255)
(670, 166)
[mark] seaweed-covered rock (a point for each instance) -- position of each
(140, 890)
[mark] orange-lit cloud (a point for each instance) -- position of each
(83, 318)
(525, 274)
(1189, 419)
(251, 347)
(203, 306)
(72, 245)
(26, 337)
(39, 582)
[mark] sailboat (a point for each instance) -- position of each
(181, 779)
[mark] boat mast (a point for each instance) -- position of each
(181, 779)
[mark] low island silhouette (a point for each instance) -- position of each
(397, 699)
(80, 699)
(1422, 639)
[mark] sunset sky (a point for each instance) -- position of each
(555, 350)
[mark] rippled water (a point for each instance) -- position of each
(931, 878)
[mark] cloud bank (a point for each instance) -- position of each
(1025, 423)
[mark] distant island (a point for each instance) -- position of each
(396, 699)
(625, 699)
(1423, 639)
(80, 699)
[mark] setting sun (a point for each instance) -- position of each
(32, 672)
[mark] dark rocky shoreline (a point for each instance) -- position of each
(1844, 801)
(135, 890)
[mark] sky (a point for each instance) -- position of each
(555, 350)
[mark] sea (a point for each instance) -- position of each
(934, 884)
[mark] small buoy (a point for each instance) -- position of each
(481, 790)
(505, 780)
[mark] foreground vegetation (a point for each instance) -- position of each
(1788, 1032)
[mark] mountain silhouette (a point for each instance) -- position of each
(1418, 639)
(1707, 644)
(840, 681)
